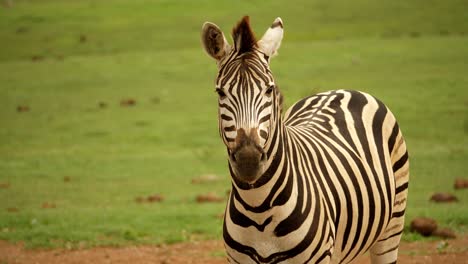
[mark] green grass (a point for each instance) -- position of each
(412, 54)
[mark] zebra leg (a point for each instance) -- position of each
(386, 249)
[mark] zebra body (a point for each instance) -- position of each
(349, 216)
(323, 184)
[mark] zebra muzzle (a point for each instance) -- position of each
(247, 158)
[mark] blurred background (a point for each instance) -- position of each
(108, 116)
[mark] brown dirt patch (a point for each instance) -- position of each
(209, 252)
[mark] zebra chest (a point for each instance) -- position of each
(271, 236)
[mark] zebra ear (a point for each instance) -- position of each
(213, 41)
(271, 40)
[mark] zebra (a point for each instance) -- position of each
(324, 183)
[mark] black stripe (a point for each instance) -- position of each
(392, 138)
(264, 119)
(241, 220)
(226, 117)
(227, 107)
(388, 251)
(393, 235)
(400, 162)
(401, 188)
(230, 128)
(398, 214)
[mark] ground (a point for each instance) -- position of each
(210, 252)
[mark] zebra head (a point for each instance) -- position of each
(249, 101)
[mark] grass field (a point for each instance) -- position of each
(64, 58)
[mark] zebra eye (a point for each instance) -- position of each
(270, 90)
(220, 93)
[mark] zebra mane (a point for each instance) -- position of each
(243, 36)
(281, 100)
